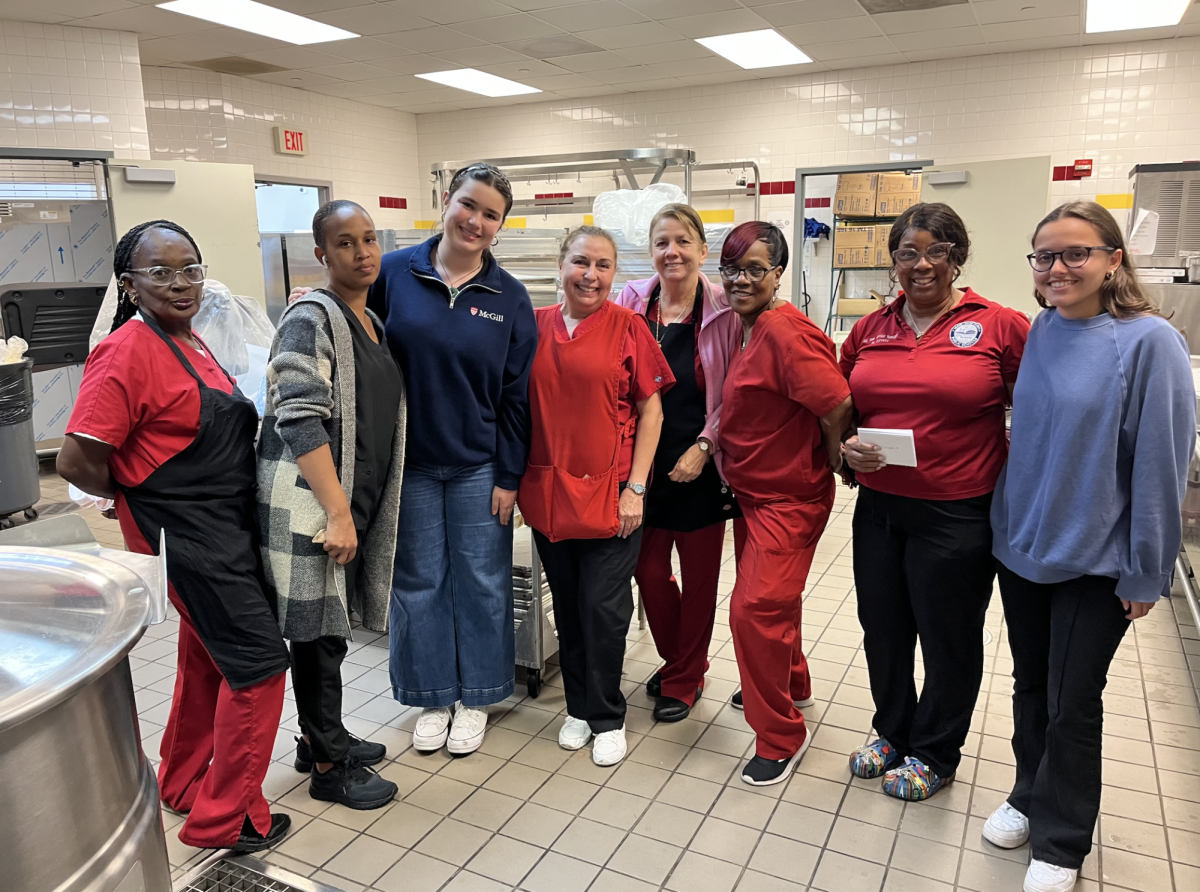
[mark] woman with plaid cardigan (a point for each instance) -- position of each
(330, 464)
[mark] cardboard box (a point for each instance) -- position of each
(883, 257)
(855, 196)
(896, 193)
(857, 306)
(854, 246)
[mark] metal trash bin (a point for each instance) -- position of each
(19, 485)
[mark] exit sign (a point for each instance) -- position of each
(291, 142)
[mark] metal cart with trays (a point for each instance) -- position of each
(533, 610)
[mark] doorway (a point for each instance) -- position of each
(288, 206)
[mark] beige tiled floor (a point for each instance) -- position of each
(524, 814)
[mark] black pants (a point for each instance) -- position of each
(590, 580)
(317, 684)
(1063, 637)
(923, 570)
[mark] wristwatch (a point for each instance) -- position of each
(638, 489)
(704, 445)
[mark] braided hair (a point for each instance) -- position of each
(123, 264)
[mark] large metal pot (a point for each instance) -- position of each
(78, 799)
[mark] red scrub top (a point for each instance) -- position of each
(644, 369)
(137, 396)
(949, 388)
(775, 393)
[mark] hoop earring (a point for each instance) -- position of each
(495, 241)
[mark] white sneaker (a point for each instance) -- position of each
(433, 727)
(466, 734)
(804, 704)
(609, 748)
(574, 734)
(1043, 877)
(1006, 828)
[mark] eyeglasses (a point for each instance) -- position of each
(733, 273)
(193, 274)
(906, 258)
(1072, 258)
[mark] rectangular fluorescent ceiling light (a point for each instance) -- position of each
(1122, 15)
(258, 18)
(481, 82)
(756, 49)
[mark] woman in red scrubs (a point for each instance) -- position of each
(785, 406)
(596, 413)
(161, 427)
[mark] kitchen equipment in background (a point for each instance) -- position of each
(70, 612)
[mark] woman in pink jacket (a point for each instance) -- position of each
(688, 502)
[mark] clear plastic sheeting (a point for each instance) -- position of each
(12, 350)
(16, 392)
(629, 211)
(104, 319)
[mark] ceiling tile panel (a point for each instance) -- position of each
(586, 62)
(673, 9)
(374, 19)
(517, 71)
(289, 57)
(990, 11)
(448, 12)
(716, 23)
(623, 36)
(310, 7)
(414, 63)
(666, 52)
(1057, 27)
(803, 11)
(863, 50)
(830, 32)
(299, 79)
(147, 20)
(937, 40)
(591, 15)
(431, 40)
(959, 16)
(351, 71)
(502, 29)
(480, 56)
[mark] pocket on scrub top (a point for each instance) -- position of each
(585, 507)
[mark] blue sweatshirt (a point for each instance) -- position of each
(466, 362)
(1104, 419)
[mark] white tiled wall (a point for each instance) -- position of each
(364, 150)
(67, 88)
(1119, 104)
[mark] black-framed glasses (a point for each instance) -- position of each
(1072, 258)
(733, 273)
(193, 274)
(906, 258)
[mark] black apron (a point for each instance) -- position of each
(684, 507)
(204, 498)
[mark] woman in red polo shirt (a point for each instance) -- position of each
(596, 413)
(159, 425)
(784, 407)
(939, 361)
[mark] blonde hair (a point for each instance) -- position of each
(685, 215)
(1122, 296)
(584, 232)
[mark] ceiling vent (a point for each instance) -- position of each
(554, 46)
(238, 65)
(874, 7)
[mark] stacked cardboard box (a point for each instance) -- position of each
(896, 193)
(883, 257)
(854, 247)
(855, 196)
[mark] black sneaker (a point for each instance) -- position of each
(761, 772)
(352, 784)
(253, 841)
(668, 709)
(366, 752)
(736, 700)
(654, 685)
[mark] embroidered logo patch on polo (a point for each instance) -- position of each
(495, 317)
(966, 334)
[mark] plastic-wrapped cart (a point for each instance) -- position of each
(20, 488)
(533, 609)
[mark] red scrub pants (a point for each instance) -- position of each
(764, 616)
(217, 746)
(681, 618)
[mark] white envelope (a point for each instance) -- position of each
(899, 447)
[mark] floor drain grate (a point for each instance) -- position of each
(245, 874)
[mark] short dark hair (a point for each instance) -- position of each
(123, 256)
(739, 241)
(489, 175)
(940, 221)
(327, 210)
